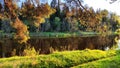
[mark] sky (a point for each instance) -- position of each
(104, 4)
(96, 4)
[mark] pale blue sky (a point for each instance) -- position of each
(103, 4)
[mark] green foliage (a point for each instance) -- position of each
(56, 24)
(63, 34)
(57, 19)
(64, 59)
(6, 26)
(58, 34)
(1, 33)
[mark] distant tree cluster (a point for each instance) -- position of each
(76, 17)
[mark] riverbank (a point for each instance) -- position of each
(110, 62)
(57, 59)
(58, 34)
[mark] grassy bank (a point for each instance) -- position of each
(58, 34)
(56, 60)
(54, 34)
(111, 62)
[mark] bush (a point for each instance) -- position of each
(30, 51)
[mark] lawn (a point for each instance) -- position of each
(110, 62)
(63, 59)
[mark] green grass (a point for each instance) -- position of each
(110, 62)
(54, 34)
(64, 59)
(62, 34)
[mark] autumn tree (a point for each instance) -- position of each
(28, 11)
(86, 16)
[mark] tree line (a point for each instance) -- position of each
(68, 16)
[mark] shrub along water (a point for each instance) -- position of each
(56, 60)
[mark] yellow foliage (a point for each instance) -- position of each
(30, 51)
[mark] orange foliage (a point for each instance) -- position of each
(88, 18)
(36, 13)
(21, 31)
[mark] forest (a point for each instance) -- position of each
(58, 34)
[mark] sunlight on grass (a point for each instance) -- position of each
(57, 59)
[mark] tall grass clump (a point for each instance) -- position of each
(30, 51)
